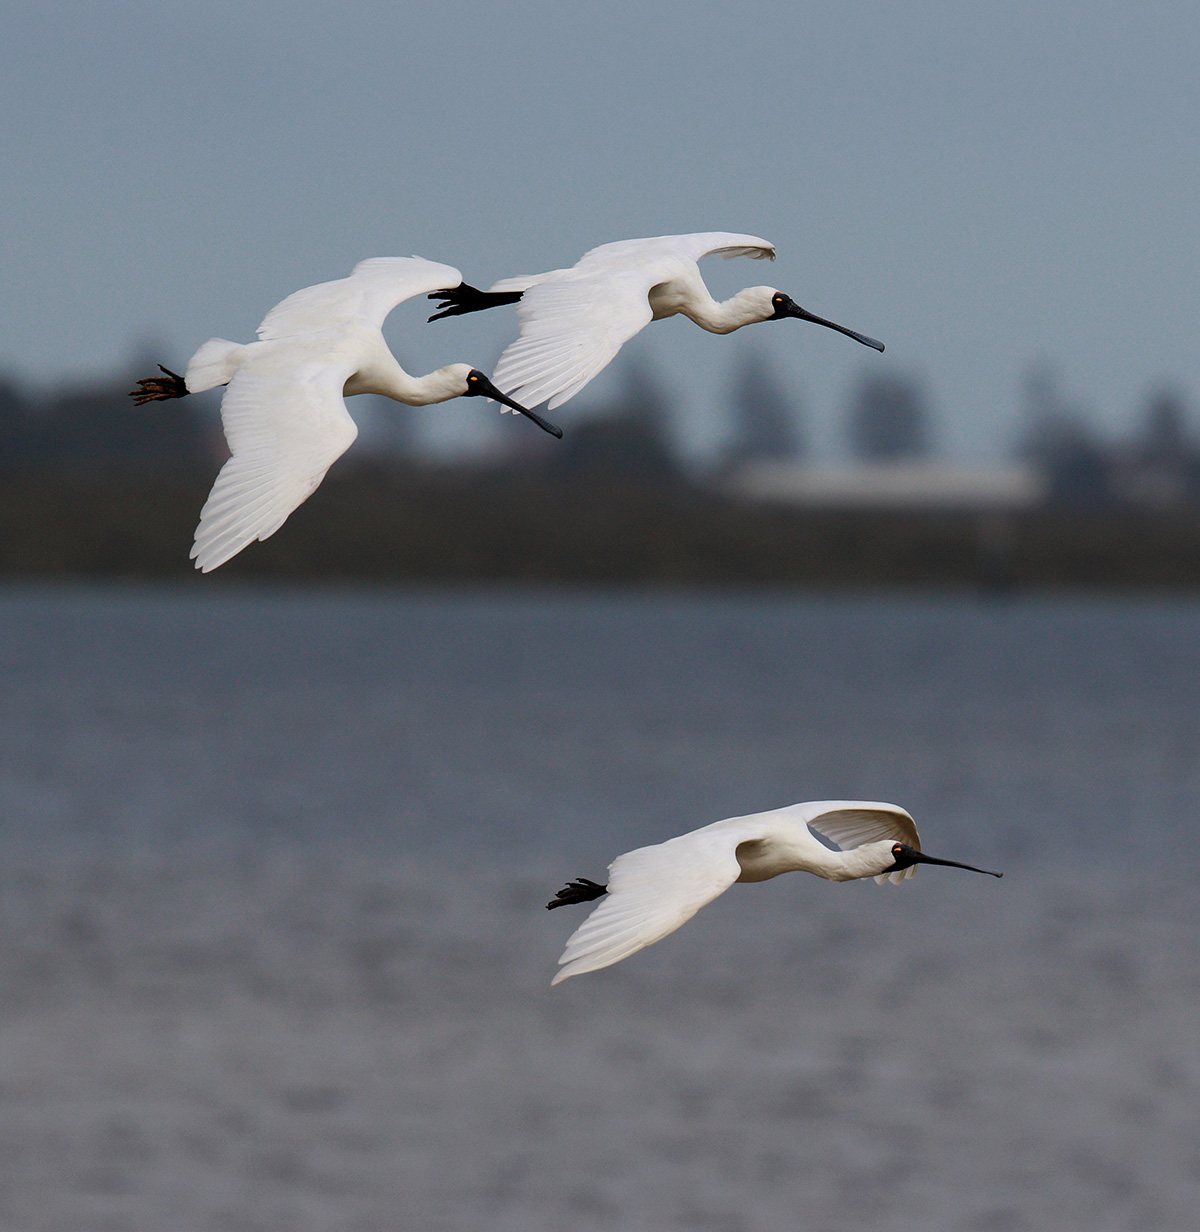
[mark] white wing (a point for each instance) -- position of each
(851, 823)
(691, 247)
(652, 891)
(725, 244)
(571, 328)
(286, 423)
(373, 289)
(522, 282)
(573, 322)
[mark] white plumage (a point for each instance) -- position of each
(574, 321)
(654, 890)
(284, 410)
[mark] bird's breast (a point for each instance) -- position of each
(666, 300)
(760, 860)
(676, 289)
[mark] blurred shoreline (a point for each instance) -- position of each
(379, 522)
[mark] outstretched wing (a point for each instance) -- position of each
(573, 322)
(373, 289)
(286, 423)
(522, 282)
(691, 247)
(850, 823)
(724, 244)
(571, 328)
(652, 891)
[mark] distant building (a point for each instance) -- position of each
(892, 485)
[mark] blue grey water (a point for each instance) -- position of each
(273, 952)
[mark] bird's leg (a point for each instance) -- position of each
(465, 298)
(159, 388)
(580, 891)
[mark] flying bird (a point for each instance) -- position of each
(574, 321)
(284, 412)
(653, 890)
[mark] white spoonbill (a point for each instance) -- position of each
(284, 412)
(574, 321)
(653, 890)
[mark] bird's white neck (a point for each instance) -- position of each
(383, 375)
(869, 860)
(439, 386)
(796, 850)
(745, 308)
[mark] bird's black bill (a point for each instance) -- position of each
(479, 386)
(793, 309)
(918, 857)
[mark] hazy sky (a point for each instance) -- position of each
(978, 185)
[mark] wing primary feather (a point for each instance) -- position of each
(652, 891)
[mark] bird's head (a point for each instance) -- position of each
(477, 385)
(758, 303)
(455, 376)
(777, 306)
(904, 856)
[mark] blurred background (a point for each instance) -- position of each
(276, 841)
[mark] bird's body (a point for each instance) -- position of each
(574, 321)
(284, 410)
(654, 890)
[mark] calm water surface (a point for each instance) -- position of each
(274, 954)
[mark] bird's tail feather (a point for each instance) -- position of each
(213, 364)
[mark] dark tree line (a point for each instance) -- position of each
(98, 429)
(1156, 466)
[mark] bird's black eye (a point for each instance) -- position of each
(897, 850)
(778, 298)
(474, 376)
